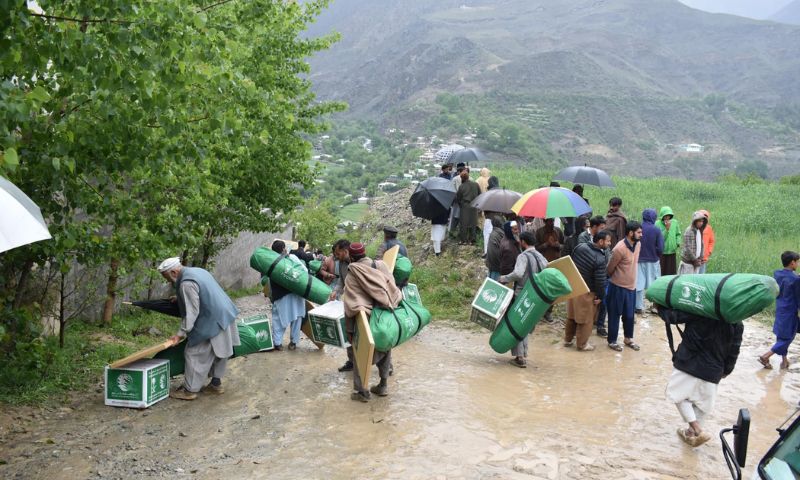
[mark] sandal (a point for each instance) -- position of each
(763, 361)
(785, 364)
(615, 346)
(632, 345)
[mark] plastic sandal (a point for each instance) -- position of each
(632, 345)
(615, 346)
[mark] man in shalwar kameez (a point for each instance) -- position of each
(208, 325)
(369, 283)
(467, 192)
(288, 309)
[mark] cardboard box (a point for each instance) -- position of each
(138, 384)
(261, 324)
(411, 294)
(327, 324)
(490, 304)
(566, 266)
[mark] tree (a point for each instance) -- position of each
(144, 129)
(316, 224)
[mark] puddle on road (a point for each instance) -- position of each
(455, 410)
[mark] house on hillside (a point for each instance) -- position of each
(387, 185)
(407, 176)
(363, 200)
(691, 148)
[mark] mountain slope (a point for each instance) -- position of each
(654, 64)
(788, 14)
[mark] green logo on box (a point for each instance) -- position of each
(124, 384)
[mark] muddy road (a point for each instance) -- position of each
(456, 409)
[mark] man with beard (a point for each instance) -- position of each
(615, 221)
(621, 295)
(208, 324)
(468, 218)
(342, 264)
(549, 240)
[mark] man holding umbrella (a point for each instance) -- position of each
(468, 218)
(431, 200)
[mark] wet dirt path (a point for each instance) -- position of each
(456, 409)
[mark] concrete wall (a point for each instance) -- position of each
(232, 265)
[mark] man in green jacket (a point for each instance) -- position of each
(672, 240)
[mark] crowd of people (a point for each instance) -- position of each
(618, 258)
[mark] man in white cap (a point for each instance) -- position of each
(208, 326)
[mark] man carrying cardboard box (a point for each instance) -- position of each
(208, 325)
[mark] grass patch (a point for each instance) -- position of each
(354, 212)
(44, 373)
(446, 286)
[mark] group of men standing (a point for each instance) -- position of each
(617, 258)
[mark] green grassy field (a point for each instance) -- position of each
(354, 212)
(753, 224)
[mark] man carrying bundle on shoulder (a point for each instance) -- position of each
(368, 284)
(288, 309)
(707, 353)
(528, 263)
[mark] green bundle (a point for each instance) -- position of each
(289, 275)
(528, 308)
(731, 297)
(391, 328)
(314, 266)
(402, 270)
(175, 354)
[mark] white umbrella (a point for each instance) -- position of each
(444, 153)
(21, 222)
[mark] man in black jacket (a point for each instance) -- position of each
(707, 354)
(590, 259)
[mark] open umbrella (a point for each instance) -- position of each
(468, 155)
(165, 306)
(496, 200)
(551, 202)
(586, 176)
(432, 198)
(444, 153)
(21, 222)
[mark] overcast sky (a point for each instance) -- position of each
(759, 9)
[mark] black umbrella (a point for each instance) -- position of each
(164, 305)
(432, 198)
(586, 176)
(467, 156)
(496, 200)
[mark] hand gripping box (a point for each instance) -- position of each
(327, 324)
(138, 384)
(490, 304)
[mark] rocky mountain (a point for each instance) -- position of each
(395, 56)
(788, 14)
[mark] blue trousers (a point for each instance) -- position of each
(620, 302)
(494, 275)
(781, 346)
(294, 331)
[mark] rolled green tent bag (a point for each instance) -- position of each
(289, 275)
(528, 308)
(731, 297)
(177, 362)
(402, 269)
(314, 266)
(391, 328)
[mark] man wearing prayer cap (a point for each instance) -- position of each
(369, 283)
(389, 241)
(208, 325)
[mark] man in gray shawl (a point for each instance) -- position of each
(208, 325)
